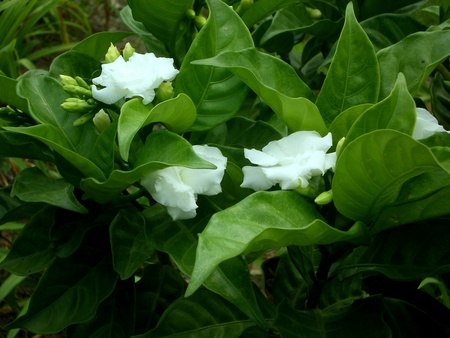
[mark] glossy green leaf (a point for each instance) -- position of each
(372, 169)
(8, 94)
(62, 299)
(371, 8)
(176, 114)
(114, 317)
(217, 93)
(75, 63)
(353, 77)
(276, 83)
(23, 146)
(204, 314)
(179, 239)
(31, 185)
(159, 287)
(415, 56)
(163, 19)
(162, 149)
(129, 246)
(409, 252)
(263, 8)
(96, 45)
(362, 318)
(263, 221)
(344, 121)
(33, 251)
(440, 100)
(397, 112)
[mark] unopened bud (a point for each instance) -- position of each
(243, 7)
(80, 81)
(308, 192)
(199, 21)
(190, 14)
(83, 119)
(73, 105)
(324, 198)
(112, 54)
(164, 92)
(68, 80)
(339, 146)
(128, 51)
(77, 90)
(101, 120)
(314, 13)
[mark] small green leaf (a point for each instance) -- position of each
(31, 185)
(129, 246)
(262, 9)
(353, 77)
(75, 63)
(9, 95)
(176, 114)
(263, 221)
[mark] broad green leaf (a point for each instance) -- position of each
(262, 9)
(75, 63)
(129, 246)
(409, 252)
(371, 8)
(9, 284)
(114, 317)
(96, 45)
(32, 251)
(440, 100)
(176, 114)
(372, 169)
(263, 221)
(23, 146)
(9, 96)
(70, 291)
(341, 125)
(204, 314)
(163, 19)
(103, 150)
(31, 185)
(179, 239)
(415, 56)
(217, 93)
(159, 286)
(353, 77)
(397, 112)
(363, 318)
(162, 149)
(276, 83)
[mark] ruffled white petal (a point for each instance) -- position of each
(426, 125)
(255, 179)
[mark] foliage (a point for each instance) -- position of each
(110, 261)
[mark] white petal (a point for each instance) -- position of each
(108, 95)
(255, 179)
(426, 125)
(178, 213)
(287, 176)
(298, 142)
(260, 158)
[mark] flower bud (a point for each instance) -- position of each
(112, 54)
(314, 13)
(199, 21)
(73, 105)
(324, 198)
(243, 7)
(128, 51)
(68, 80)
(80, 81)
(164, 92)
(83, 119)
(308, 192)
(77, 90)
(339, 146)
(190, 14)
(101, 120)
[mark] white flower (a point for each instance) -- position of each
(139, 76)
(177, 187)
(290, 162)
(426, 125)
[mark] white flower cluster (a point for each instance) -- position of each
(139, 76)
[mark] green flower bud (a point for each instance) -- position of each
(190, 14)
(82, 83)
(73, 105)
(324, 198)
(199, 21)
(101, 120)
(314, 13)
(164, 92)
(308, 192)
(243, 7)
(112, 54)
(83, 119)
(68, 80)
(339, 146)
(128, 51)
(77, 90)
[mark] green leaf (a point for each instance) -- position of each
(162, 18)
(9, 284)
(341, 125)
(216, 93)
(372, 169)
(410, 252)
(179, 239)
(276, 83)
(96, 45)
(75, 63)
(159, 287)
(373, 7)
(440, 100)
(177, 114)
(114, 317)
(161, 150)
(31, 185)
(415, 56)
(204, 314)
(397, 112)
(362, 318)
(32, 251)
(22, 146)
(129, 245)
(353, 77)
(263, 221)
(8, 94)
(62, 299)
(262, 9)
